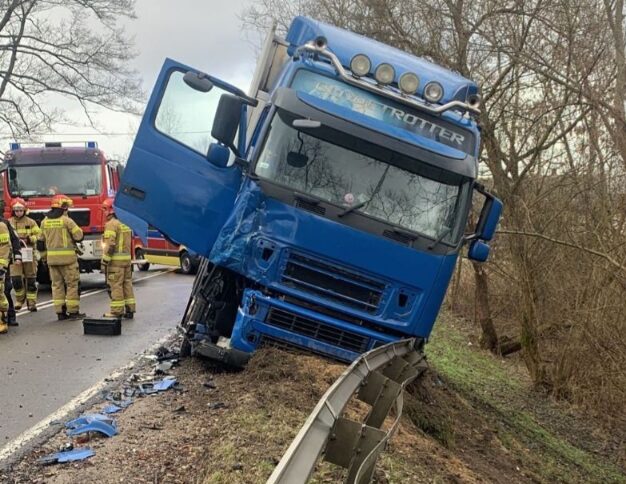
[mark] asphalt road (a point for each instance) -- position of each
(45, 363)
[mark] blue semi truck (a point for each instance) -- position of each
(331, 202)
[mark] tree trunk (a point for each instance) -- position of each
(489, 336)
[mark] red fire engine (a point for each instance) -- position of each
(80, 171)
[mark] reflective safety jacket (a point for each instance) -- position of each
(5, 246)
(27, 229)
(117, 240)
(59, 236)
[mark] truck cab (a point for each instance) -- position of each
(330, 202)
(80, 170)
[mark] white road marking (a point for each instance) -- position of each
(25, 437)
(47, 304)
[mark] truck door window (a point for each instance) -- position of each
(186, 115)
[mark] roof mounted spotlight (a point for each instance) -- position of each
(360, 65)
(408, 83)
(474, 100)
(320, 42)
(433, 92)
(384, 74)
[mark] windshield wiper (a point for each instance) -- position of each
(440, 238)
(362, 204)
(354, 207)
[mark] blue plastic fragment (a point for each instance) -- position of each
(67, 456)
(95, 426)
(111, 409)
(164, 384)
(89, 418)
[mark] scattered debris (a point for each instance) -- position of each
(111, 409)
(164, 384)
(163, 367)
(216, 405)
(238, 466)
(163, 353)
(66, 447)
(209, 384)
(67, 456)
(94, 422)
(180, 409)
(152, 426)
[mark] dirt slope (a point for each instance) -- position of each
(471, 419)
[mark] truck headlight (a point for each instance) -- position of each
(408, 83)
(384, 73)
(433, 92)
(360, 65)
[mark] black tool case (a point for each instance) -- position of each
(102, 326)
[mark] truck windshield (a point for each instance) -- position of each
(46, 180)
(364, 177)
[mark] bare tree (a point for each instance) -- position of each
(70, 48)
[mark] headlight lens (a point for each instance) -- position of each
(360, 65)
(385, 73)
(409, 83)
(433, 92)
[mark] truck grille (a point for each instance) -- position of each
(332, 282)
(316, 330)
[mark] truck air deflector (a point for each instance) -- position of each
(377, 132)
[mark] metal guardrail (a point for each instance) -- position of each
(378, 378)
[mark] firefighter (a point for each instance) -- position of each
(9, 248)
(116, 263)
(24, 274)
(57, 245)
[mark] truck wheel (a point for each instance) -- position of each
(140, 255)
(185, 348)
(186, 264)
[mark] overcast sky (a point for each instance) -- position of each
(200, 34)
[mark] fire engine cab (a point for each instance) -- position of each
(79, 170)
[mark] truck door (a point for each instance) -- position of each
(168, 180)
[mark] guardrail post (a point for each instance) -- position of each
(350, 444)
(377, 378)
(380, 392)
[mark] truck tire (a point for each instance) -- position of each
(140, 255)
(187, 265)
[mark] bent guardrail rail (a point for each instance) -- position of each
(379, 378)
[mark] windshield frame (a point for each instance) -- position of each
(421, 240)
(57, 166)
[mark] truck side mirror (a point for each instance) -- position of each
(227, 119)
(218, 155)
(489, 215)
(198, 81)
(478, 251)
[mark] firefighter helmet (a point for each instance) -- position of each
(18, 203)
(107, 207)
(61, 201)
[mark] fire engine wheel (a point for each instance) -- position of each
(186, 263)
(140, 255)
